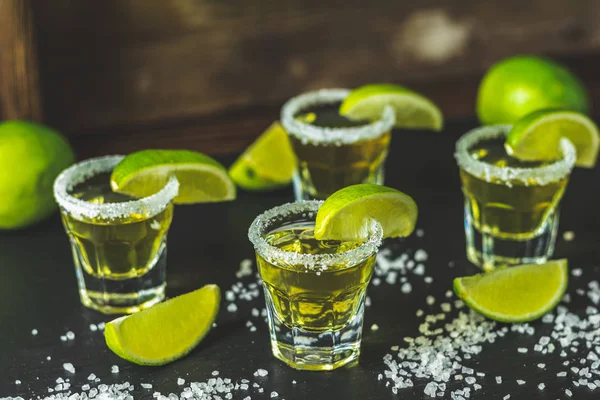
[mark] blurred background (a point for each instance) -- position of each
(121, 75)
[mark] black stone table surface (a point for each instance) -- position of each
(207, 244)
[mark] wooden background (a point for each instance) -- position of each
(119, 75)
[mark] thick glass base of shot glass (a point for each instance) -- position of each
(323, 185)
(121, 296)
(315, 351)
(488, 251)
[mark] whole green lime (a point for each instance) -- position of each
(31, 157)
(517, 86)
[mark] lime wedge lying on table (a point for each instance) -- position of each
(346, 214)
(515, 294)
(268, 163)
(536, 136)
(412, 109)
(201, 179)
(167, 331)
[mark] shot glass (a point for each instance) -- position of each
(314, 290)
(511, 207)
(332, 151)
(119, 244)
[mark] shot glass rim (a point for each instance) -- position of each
(316, 262)
(83, 170)
(324, 135)
(543, 175)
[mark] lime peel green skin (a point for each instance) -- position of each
(351, 197)
(390, 90)
(517, 86)
(112, 336)
(146, 161)
(33, 155)
(553, 121)
(462, 292)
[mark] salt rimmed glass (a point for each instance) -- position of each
(337, 152)
(119, 245)
(511, 212)
(314, 301)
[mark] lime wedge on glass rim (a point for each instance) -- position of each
(347, 213)
(536, 136)
(412, 109)
(166, 331)
(268, 163)
(201, 179)
(515, 294)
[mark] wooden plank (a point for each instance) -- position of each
(119, 63)
(19, 80)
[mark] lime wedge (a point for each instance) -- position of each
(346, 214)
(412, 109)
(167, 331)
(536, 136)
(515, 294)
(268, 163)
(201, 179)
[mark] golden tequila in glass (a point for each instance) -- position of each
(332, 151)
(118, 242)
(511, 206)
(314, 290)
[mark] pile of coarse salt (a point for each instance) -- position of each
(440, 355)
(212, 389)
(392, 269)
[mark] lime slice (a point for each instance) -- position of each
(515, 294)
(536, 137)
(268, 163)
(201, 179)
(412, 109)
(517, 86)
(346, 214)
(167, 331)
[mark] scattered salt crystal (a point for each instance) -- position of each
(180, 381)
(231, 307)
(69, 367)
(376, 281)
(568, 392)
(48, 358)
(293, 382)
(520, 381)
(146, 385)
(215, 373)
(63, 338)
(506, 397)
(541, 386)
(274, 394)
(541, 365)
(420, 255)
(87, 387)
(446, 307)
(17, 382)
(568, 236)
(419, 269)
(101, 326)
(34, 332)
(419, 313)
(428, 279)
(70, 335)
(522, 350)
(91, 377)
(114, 369)
(451, 264)
(406, 287)
(430, 300)
(420, 232)
(576, 272)
(93, 327)
(374, 327)
(498, 379)
(470, 380)
(261, 372)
